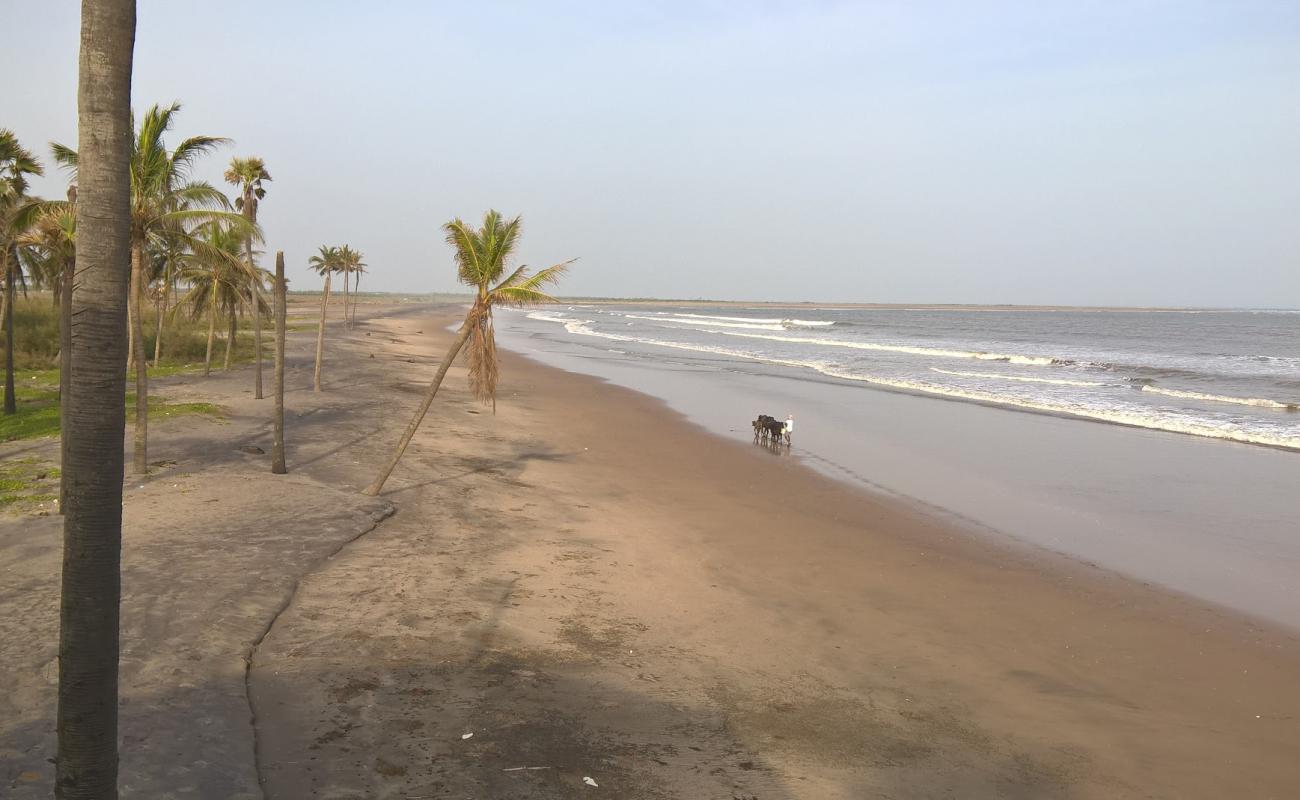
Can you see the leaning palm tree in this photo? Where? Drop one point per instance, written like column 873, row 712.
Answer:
column 248, row 174
column 86, row 762
column 163, row 198
column 326, row 262
column 481, row 259
column 16, row 165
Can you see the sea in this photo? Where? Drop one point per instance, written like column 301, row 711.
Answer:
column 1161, row 445
column 1221, row 374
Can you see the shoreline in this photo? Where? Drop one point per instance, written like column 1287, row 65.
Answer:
column 1058, row 482
column 585, row 583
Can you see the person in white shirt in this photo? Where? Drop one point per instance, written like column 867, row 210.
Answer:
column 789, row 427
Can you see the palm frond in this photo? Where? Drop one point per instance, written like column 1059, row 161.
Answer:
column 65, row 156
column 521, row 289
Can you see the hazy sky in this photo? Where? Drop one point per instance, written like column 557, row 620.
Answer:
column 1027, row 152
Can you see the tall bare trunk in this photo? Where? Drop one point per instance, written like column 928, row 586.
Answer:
column 320, row 332
column 456, row 345
column 140, row 452
column 65, row 373
column 11, row 398
column 212, row 332
column 256, row 292
column 162, row 311
column 130, row 325
column 86, row 763
column 277, row 446
column 356, row 295
column 345, row 299
column 230, row 341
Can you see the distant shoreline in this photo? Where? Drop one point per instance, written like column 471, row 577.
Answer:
column 808, row 304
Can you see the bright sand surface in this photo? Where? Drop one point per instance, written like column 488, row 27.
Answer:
column 594, row 588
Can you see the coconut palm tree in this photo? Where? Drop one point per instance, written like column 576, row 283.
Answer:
column 164, row 198
column 16, row 165
column 360, row 270
column 349, row 262
column 51, row 244
column 248, row 174
column 219, row 279
column 86, row 763
column 326, row 262
column 482, row 257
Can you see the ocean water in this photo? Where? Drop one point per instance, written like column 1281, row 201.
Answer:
column 1222, row 374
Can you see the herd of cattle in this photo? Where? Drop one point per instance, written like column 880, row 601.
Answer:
column 770, row 430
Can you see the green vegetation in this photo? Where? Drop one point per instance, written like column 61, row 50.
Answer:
column 36, row 338
column 38, row 404
column 28, row 484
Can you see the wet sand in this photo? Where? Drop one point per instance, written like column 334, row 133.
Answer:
column 591, row 586
column 1210, row 518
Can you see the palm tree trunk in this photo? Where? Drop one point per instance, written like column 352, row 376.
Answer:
column 230, row 341
column 11, row 399
column 65, row 372
column 345, row 299
column 320, row 332
column 277, row 446
column 456, row 345
column 162, row 311
column 257, row 320
column 140, row 451
column 130, row 325
column 212, row 332
column 356, row 295
column 86, row 762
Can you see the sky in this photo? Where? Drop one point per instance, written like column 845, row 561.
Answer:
column 1084, row 153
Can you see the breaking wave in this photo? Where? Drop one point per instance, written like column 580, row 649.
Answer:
column 1154, row 419
column 912, row 349
column 788, row 323
column 1021, row 378
column 1258, row 402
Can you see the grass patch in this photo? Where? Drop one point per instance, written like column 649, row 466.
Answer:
column 28, row 484
column 185, row 340
column 38, row 411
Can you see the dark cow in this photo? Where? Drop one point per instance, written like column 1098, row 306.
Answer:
column 769, row 430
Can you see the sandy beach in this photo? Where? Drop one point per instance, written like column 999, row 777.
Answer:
column 584, row 588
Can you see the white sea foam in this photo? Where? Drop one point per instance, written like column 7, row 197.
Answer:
column 1021, row 378
column 782, row 321
column 1259, row 402
column 1124, row 415
column 754, row 325
column 904, row 348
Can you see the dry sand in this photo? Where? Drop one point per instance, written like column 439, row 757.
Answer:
column 594, row 588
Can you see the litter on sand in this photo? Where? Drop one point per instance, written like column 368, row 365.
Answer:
column 589, row 781
column 515, row 769
column 466, row 735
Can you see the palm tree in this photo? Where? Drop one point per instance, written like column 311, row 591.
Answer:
column 167, row 246
column 481, row 259
column 349, row 262
column 248, row 174
column 219, row 279
column 86, row 763
column 51, row 244
column 16, row 164
column 326, row 262
column 360, row 269
column 163, row 199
